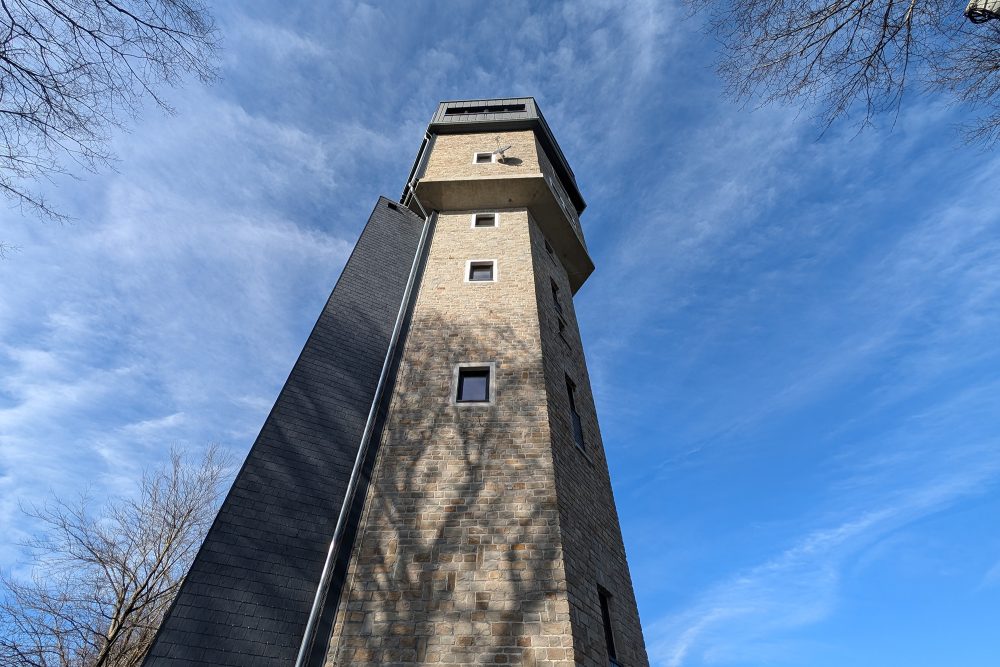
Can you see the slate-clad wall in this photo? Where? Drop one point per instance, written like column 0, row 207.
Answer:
column 591, row 536
column 247, row 596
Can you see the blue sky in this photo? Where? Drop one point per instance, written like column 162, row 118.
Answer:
column 793, row 335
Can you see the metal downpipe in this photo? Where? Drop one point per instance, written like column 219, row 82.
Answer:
column 309, row 637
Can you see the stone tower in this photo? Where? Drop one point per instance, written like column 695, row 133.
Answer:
column 431, row 486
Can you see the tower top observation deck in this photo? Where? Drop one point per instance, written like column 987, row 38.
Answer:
column 506, row 114
column 500, row 153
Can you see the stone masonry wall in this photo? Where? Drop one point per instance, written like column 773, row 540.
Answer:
column 458, row 557
column 452, row 155
column 593, row 552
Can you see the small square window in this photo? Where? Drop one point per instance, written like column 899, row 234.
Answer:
column 483, row 158
column 473, row 385
column 481, row 271
column 484, row 220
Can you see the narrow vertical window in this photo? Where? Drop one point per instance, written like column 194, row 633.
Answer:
column 555, row 297
column 575, row 415
column 609, row 635
column 548, row 247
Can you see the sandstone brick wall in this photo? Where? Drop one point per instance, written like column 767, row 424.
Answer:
column 452, row 155
column 458, row 558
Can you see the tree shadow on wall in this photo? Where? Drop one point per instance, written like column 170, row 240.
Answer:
column 457, row 552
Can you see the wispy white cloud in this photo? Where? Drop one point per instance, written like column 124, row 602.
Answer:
column 709, row 245
column 753, row 272
column 750, row 616
column 169, row 313
column 247, row 34
column 172, row 309
column 992, row 576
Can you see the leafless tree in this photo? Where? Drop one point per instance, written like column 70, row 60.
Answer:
column 100, row 584
column 858, row 56
column 72, row 70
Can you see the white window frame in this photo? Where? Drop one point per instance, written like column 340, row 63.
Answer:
column 496, row 220
column 475, row 157
column 491, row 366
column 468, row 271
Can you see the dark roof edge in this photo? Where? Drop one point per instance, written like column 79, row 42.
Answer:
column 545, row 135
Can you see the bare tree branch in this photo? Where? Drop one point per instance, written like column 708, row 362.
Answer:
column 101, row 583
column 72, row 70
column 857, row 57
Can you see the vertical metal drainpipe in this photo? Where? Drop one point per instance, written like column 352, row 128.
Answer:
column 309, row 637
column 409, row 190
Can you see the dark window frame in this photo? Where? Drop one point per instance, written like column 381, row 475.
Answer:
column 467, row 392
column 555, row 297
column 604, row 599
column 576, row 422
column 492, row 217
column 477, row 264
column 475, row 368
column 485, row 108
